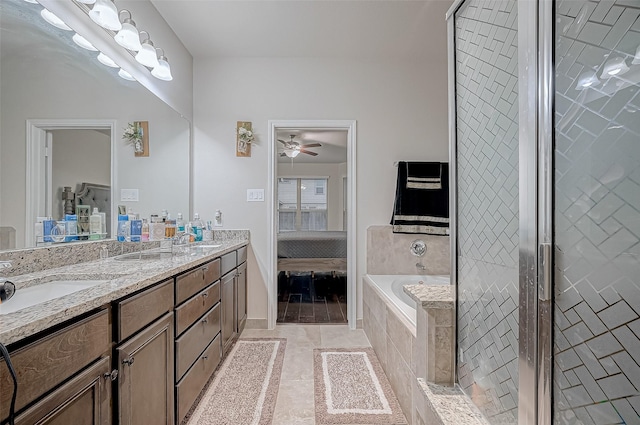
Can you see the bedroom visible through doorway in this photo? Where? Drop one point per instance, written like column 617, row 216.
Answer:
column 311, row 232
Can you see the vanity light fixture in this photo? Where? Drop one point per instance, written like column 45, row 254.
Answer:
column 636, row 58
column 587, row 79
column 83, row 42
column 147, row 54
column 163, row 70
column 54, row 20
column 124, row 74
column 105, row 14
column 128, row 37
column 615, row 66
column 106, row 60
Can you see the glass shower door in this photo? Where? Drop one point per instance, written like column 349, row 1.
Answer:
column 596, row 214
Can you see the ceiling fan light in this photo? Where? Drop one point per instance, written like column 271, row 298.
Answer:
column 54, row 20
column 83, row 42
column 124, row 74
column 147, row 55
column 291, row 152
column 105, row 14
column 163, row 70
column 106, row 60
column 128, row 37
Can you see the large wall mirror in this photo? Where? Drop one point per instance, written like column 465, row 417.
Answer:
column 77, row 103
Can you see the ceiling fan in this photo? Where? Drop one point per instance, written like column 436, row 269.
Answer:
column 292, row 148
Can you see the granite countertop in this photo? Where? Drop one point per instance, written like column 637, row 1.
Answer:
column 121, row 278
column 451, row 405
column 432, row 296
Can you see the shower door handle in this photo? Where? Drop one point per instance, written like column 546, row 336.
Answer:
column 545, row 275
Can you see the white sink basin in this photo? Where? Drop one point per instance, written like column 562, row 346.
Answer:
column 27, row 297
column 203, row 249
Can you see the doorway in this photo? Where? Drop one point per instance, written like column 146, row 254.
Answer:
column 41, row 199
column 312, row 249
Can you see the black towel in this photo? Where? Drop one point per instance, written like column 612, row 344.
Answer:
column 422, row 198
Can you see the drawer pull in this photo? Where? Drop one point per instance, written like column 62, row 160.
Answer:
column 113, row 375
column 128, row 361
column 205, row 357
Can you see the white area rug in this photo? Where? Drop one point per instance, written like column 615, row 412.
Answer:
column 351, row 388
column 245, row 389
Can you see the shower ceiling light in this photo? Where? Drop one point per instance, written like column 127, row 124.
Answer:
column 587, row 79
column 615, row 66
column 82, row 42
column 636, row 59
column 128, row 37
column 163, row 70
column 54, row 20
column 147, row 54
column 124, row 74
column 106, row 60
column 105, row 14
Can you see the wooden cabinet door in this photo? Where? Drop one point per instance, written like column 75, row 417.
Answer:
column 145, row 380
column 241, row 279
column 228, row 309
column 84, row 400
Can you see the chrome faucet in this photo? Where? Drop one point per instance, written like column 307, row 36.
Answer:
column 418, row 248
column 421, row 266
column 7, row 288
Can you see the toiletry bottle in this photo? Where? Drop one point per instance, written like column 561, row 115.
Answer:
column 71, row 229
column 103, row 221
column 189, row 229
column 179, row 223
column 169, row 228
column 95, row 225
column 156, row 229
column 164, row 214
column 197, row 227
column 145, row 230
column 124, row 231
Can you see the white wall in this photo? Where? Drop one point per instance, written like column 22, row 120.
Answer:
column 401, row 113
column 335, row 172
column 78, row 156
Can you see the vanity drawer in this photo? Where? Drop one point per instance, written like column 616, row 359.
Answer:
column 135, row 312
column 193, row 281
column 191, row 310
column 47, row 362
column 242, row 255
column 195, row 379
column 227, row 263
column 195, row 339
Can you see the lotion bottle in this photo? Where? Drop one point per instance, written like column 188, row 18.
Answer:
column 95, row 225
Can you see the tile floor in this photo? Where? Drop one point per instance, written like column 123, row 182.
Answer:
column 295, row 396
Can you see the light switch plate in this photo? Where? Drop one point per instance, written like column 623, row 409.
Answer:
column 255, row 195
column 129, row 194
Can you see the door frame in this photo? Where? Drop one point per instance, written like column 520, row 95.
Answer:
column 272, row 265
column 34, row 170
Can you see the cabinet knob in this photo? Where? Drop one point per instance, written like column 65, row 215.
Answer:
column 128, row 361
column 205, row 357
column 205, row 295
column 204, row 320
column 113, row 375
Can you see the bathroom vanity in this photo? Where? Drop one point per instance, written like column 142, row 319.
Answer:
column 138, row 348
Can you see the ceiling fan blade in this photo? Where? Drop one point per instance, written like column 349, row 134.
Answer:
column 308, row 152
column 282, row 141
column 311, row 145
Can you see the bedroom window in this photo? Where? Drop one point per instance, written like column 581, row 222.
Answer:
column 302, row 204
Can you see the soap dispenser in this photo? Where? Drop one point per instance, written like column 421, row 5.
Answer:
column 95, row 225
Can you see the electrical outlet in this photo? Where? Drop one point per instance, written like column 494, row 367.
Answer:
column 129, row 195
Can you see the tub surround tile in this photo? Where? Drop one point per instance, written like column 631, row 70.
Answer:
column 448, row 406
column 388, row 252
column 401, row 378
column 400, row 336
column 133, row 276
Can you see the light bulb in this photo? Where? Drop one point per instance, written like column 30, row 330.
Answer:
column 615, row 66
column 124, row 74
column 106, row 60
column 54, row 20
column 147, row 55
column 128, row 37
column 105, row 14
column 82, row 42
column 163, row 70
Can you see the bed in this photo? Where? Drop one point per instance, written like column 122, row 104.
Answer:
column 312, row 251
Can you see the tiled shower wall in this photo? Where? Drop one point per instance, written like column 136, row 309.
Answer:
column 487, row 166
column 597, row 215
